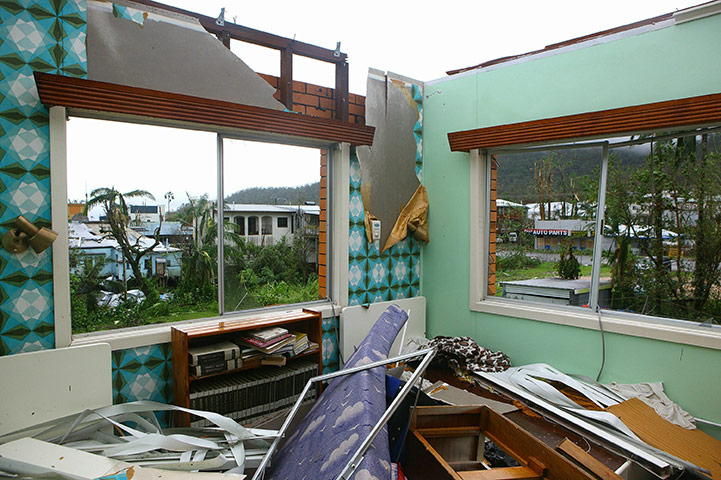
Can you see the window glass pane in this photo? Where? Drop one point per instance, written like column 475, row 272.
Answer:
column 542, row 225
column 153, row 261
column 663, row 227
column 265, row 264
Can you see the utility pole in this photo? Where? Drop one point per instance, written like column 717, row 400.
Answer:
column 169, row 197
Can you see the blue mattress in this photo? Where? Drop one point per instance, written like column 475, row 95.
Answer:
column 343, row 417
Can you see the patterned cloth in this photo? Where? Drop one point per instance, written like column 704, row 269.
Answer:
column 463, row 353
column 343, row 416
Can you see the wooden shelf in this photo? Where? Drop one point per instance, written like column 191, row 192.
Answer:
column 183, row 337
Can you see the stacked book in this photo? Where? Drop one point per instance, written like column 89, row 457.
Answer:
column 274, row 341
column 214, row 358
column 267, row 340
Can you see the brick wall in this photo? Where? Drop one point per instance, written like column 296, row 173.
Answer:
column 318, row 101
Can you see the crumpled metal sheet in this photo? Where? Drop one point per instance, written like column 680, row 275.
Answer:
column 137, row 438
column 168, row 52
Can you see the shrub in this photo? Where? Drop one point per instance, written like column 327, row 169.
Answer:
column 516, row 261
column 568, row 266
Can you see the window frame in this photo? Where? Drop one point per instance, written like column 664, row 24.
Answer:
column 657, row 328
column 338, row 196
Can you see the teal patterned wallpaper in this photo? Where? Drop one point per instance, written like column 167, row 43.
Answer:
column 44, row 36
column 374, row 276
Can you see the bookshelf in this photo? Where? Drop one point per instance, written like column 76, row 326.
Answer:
column 185, row 336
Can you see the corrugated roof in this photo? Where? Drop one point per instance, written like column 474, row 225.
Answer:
column 95, row 235
column 506, row 203
column 166, row 228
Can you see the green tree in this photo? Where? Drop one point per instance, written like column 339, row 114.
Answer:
column 199, row 263
column 86, row 278
column 677, row 190
column 706, row 192
column 117, row 213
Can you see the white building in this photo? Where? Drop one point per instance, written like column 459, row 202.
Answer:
column 551, row 234
column 268, row 224
column 146, row 214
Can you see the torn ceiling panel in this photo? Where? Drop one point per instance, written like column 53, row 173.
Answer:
column 135, row 45
column 388, row 167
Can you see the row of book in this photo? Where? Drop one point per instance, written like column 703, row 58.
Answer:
column 253, row 393
column 273, row 345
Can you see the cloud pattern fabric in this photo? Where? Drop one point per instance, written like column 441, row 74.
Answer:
column 343, row 416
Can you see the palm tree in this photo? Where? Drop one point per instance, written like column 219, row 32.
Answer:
column 116, row 210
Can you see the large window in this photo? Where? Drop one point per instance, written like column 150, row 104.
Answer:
column 545, row 206
column 272, row 266
column 144, row 241
column 652, row 250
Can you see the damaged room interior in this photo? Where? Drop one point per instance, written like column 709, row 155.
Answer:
column 214, row 268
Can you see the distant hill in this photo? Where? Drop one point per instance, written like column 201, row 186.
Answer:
column 515, row 172
column 277, row 195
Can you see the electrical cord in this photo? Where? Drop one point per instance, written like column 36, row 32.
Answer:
column 603, row 343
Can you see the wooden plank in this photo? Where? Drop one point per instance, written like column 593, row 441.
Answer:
column 285, row 82
column 341, row 91
column 507, row 473
column 424, row 462
column 690, row 111
column 236, row 325
column 449, row 431
column 446, row 416
column 522, row 445
column 467, row 465
column 585, row 459
column 131, row 103
column 446, row 410
column 181, row 382
column 693, row 446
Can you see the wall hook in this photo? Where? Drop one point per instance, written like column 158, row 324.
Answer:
column 25, row 234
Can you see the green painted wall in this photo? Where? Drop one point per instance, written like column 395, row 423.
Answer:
column 675, row 62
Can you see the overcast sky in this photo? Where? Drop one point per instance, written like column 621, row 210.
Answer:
column 421, row 40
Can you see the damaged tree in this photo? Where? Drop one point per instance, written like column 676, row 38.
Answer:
column 118, row 217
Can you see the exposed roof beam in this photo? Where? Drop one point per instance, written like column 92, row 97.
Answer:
column 250, row 35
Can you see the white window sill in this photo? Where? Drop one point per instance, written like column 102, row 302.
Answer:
column 135, row 337
column 668, row 330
